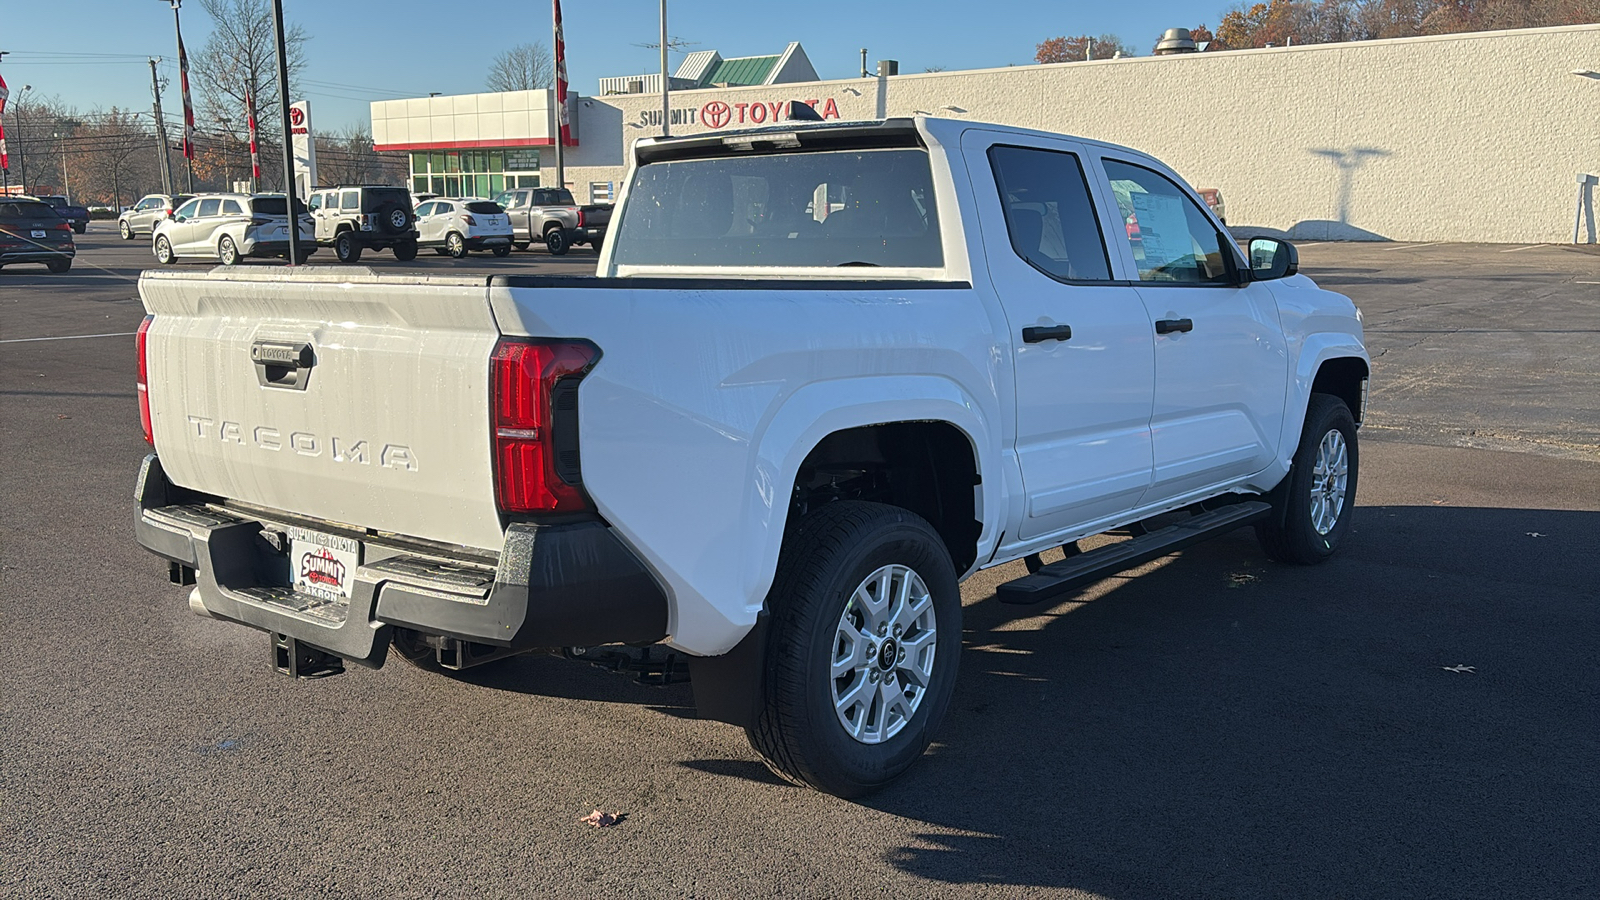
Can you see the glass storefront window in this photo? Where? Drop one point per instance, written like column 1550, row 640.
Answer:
column 452, row 186
column 481, row 182
column 452, row 162
column 436, row 162
column 497, row 183
column 480, row 173
column 419, row 163
column 497, row 161
column 419, row 184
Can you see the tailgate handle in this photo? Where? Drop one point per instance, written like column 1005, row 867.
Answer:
column 283, row 364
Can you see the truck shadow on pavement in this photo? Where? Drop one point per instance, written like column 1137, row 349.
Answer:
column 1228, row 726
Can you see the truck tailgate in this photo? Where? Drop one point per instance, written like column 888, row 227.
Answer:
column 387, row 429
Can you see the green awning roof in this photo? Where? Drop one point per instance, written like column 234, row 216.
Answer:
column 745, row 70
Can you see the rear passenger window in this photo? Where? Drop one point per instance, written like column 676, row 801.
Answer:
column 209, row 207
column 232, row 208
column 350, row 200
column 1049, row 216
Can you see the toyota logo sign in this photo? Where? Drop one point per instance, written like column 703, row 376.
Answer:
column 716, row 114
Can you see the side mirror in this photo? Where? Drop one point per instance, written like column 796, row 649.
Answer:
column 180, row 218
column 1271, row 258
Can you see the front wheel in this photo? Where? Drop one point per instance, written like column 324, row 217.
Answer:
column 164, row 254
column 555, row 240
column 864, row 637
column 1311, row 509
column 125, row 231
column 345, row 248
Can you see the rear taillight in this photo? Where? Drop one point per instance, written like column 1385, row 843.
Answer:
column 469, row 220
column 62, row 226
column 144, row 379
column 533, row 392
column 258, row 221
column 580, row 218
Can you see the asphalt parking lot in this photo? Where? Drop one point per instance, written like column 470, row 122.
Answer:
column 1415, row 718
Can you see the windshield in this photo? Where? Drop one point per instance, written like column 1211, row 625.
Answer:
column 837, row 208
column 274, row 206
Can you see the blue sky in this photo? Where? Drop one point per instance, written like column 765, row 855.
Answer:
column 443, row 46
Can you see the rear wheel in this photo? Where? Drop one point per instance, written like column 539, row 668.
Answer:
column 863, row 643
column 58, row 266
column 455, row 245
column 502, row 250
column 345, row 247
column 520, row 245
column 405, row 252
column 555, row 240
column 164, row 254
column 1312, row 508
column 227, row 252
column 81, row 229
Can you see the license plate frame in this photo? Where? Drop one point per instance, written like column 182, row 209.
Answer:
column 39, row 233
column 323, row 565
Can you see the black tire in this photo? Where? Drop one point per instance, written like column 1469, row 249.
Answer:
column 555, row 240
column 227, row 252
column 455, row 245
column 393, row 218
column 405, row 252
column 1291, row 535
column 58, row 266
column 163, row 251
column 345, row 247
column 596, row 244
column 125, row 231
column 825, row 557
column 502, row 250
column 301, row 257
column 81, row 229
column 520, row 245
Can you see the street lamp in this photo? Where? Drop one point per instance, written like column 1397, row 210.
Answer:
column 61, row 150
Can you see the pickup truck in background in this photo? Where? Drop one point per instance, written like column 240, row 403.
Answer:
column 550, row 216
column 825, row 373
column 76, row 216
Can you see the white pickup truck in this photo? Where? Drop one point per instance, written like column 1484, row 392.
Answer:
column 826, row 372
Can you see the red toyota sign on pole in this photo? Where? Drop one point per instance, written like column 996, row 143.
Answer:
column 255, row 158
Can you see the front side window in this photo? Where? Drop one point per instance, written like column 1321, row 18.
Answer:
column 187, row 210
column 1172, row 240
column 316, row 202
column 425, row 209
column 820, row 209
column 1049, row 216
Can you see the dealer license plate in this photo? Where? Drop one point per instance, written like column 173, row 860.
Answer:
column 323, row 565
column 38, row 233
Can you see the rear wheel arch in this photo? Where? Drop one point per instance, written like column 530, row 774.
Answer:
column 929, row 468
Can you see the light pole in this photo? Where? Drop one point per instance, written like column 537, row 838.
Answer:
column 666, row 105
column 22, row 157
column 61, row 151
column 183, row 77
column 288, row 136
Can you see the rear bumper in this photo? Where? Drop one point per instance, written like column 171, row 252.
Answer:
column 250, row 247
column 36, row 254
column 481, row 241
column 553, row 586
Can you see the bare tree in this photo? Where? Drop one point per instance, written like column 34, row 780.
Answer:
column 525, row 67
column 347, row 157
column 239, row 59
column 117, row 157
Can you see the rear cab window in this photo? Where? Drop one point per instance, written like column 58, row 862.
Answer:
column 818, row 209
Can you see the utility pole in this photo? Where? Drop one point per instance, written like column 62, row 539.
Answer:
column 61, row 151
column 5, row 172
column 288, row 136
column 161, row 131
column 666, row 105
column 188, row 113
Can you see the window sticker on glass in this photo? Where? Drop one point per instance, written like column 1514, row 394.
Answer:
column 1163, row 232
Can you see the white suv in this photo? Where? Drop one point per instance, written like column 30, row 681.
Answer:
column 229, row 227
column 457, row 225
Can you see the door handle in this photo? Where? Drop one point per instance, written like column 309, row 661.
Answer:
column 1036, row 334
column 1168, row 326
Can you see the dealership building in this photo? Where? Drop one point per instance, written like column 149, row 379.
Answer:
column 1487, row 136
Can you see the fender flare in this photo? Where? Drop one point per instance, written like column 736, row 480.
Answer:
column 1316, row 350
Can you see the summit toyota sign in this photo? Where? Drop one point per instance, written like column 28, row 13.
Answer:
column 721, row 114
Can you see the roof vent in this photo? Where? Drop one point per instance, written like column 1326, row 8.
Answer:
column 1175, row 40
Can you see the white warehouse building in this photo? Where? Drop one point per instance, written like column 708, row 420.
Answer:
column 1488, row 136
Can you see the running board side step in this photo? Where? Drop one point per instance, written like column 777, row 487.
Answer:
column 1093, row 565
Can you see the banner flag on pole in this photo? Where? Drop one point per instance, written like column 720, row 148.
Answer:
column 250, row 114
column 5, row 158
column 561, row 80
column 188, row 105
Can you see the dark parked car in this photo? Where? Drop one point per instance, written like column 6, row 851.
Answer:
column 76, row 216
column 32, row 232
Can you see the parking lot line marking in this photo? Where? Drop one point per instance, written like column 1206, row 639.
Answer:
column 1586, row 282
column 1516, row 249
column 68, row 337
column 1412, row 246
